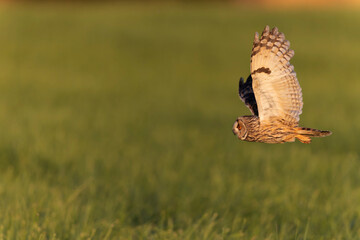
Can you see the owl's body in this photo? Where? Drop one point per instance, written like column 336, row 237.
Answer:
column 273, row 95
column 276, row 131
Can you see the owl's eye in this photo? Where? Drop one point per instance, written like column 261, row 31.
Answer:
column 239, row 127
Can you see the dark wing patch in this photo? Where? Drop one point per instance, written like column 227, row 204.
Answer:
column 246, row 94
column 262, row 70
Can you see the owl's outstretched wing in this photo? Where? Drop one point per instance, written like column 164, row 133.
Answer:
column 246, row 94
column 277, row 91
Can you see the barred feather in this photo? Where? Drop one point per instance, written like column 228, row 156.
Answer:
column 312, row 132
column 277, row 91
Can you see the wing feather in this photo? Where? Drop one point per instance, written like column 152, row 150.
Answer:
column 246, row 94
column 276, row 88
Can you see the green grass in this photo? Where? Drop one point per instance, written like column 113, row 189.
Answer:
column 116, row 124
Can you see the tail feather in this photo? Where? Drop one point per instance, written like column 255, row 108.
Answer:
column 312, row 132
column 304, row 134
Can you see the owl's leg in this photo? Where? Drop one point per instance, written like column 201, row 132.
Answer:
column 303, row 139
column 289, row 138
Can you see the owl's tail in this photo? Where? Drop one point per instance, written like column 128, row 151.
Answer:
column 304, row 134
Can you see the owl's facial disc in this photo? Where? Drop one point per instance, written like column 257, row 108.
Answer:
column 239, row 129
column 235, row 128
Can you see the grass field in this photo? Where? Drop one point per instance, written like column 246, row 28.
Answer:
column 116, row 124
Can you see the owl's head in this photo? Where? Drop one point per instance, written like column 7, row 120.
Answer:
column 239, row 128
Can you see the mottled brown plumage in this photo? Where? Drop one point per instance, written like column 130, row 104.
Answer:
column 273, row 94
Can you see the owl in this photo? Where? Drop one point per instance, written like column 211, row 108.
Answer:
column 273, row 95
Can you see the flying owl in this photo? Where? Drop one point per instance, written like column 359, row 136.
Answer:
column 273, row 94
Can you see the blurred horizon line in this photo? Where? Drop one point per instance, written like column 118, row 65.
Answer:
column 267, row 4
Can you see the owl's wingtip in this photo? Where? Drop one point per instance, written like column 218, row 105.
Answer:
column 275, row 31
column 267, row 28
column 256, row 37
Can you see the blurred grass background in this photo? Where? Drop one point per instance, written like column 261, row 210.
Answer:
column 116, row 124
